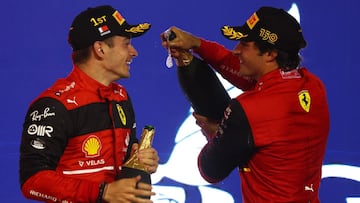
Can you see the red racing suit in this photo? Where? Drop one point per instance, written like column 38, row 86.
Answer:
column 75, row 136
column 287, row 115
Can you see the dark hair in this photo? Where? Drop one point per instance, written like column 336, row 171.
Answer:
column 287, row 61
column 82, row 55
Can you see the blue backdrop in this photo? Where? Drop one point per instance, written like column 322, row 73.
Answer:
column 34, row 53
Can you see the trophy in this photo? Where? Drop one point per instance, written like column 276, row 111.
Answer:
column 132, row 167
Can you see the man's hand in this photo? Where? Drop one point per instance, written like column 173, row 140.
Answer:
column 208, row 127
column 127, row 190
column 183, row 41
column 149, row 157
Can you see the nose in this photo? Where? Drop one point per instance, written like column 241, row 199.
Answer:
column 132, row 51
column 237, row 50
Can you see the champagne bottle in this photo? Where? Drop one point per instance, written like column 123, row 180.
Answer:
column 203, row 89
column 133, row 167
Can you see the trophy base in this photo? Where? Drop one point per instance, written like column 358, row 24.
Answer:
column 132, row 172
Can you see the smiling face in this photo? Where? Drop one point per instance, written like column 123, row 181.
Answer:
column 118, row 57
column 253, row 63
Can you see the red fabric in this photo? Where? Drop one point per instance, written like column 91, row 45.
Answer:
column 80, row 170
column 41, row 187
column 290, row 142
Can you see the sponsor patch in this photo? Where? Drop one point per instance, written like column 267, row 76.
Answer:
column 37, row 144
column 104, row 30
column 251, row 22
column 37, row 116
column 40, row 130
column 304, row 100
column 268, row 36
column 92, row 146
column 118, row 17
column 121, row 114
column 67, row 88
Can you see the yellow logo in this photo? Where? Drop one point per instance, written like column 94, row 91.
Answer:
column 266, row 35
column 121, row 114
column 91, row 146
column 140, row 28
column 98, row 21
column 118, row 17
column 305, row 100
column 231, row 33
column 251, row 22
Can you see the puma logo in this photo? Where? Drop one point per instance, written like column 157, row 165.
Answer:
column 307, row 188
column 72, row 101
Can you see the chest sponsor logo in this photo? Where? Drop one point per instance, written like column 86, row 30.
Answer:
column 92, row 162
column 40, row 130
column 304, row 100
column 37, row 116
column 92, row 146
column 121, row 114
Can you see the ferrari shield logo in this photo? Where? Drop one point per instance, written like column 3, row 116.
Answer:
column 305, row 100
column 121, row 114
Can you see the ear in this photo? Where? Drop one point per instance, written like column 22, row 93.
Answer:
column 97, row 48
column 271, row 55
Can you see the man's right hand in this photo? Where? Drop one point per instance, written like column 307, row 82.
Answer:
column 183, row 40
column 127, row 190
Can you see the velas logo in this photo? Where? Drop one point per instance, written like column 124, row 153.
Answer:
column 92, row 146
column 251, row 22
column 103, row 30
column 118, row 17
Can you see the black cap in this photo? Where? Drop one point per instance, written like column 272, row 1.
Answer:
column 100, row 23
column 269, row 25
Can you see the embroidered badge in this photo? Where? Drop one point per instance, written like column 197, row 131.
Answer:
column 118, row 17
column 121, row 114
column 251, row 22
column 304, row 100
column 139, row 29
column 91, row 146
column 230, row 33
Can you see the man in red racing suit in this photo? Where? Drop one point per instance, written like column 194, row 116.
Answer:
column 276, row 131
column 78, row 133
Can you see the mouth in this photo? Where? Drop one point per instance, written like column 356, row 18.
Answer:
column 128, row 62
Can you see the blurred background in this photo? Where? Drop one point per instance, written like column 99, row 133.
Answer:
column 34, row 53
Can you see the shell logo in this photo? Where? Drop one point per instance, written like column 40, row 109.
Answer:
column 91, row 146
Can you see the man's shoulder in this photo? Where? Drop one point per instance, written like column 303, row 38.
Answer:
column 61, row 88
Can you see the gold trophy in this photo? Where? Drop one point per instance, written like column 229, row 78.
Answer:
column 132, row 167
